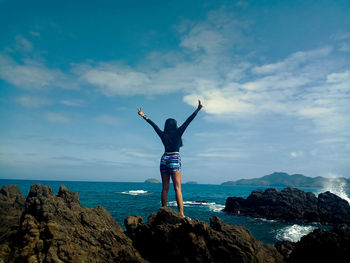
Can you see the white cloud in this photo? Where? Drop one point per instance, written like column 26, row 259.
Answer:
column 118, row 81
column 34, row 33
column 219, row 32
column 23, row 44
column 309, row 85
column 223, row 153
column 216, row 101
column 303, row 85
column 31, row 101
column 345, row 47
column 33, row 75
column 315, row 112
column 341, row 36
column 107, row 119
column 56, row 117
column 29, row 75
column 242, row 3
column 72, row 103
column 114, row 79
column 339, row 77
column 203, row 38
column 294, row 61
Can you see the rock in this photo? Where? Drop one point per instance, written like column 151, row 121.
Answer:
column 332, row 208
column 58, row 229
column 285, row 248
column 167, row 237
column 11, row 208
column 291, row 204
column 319, row 246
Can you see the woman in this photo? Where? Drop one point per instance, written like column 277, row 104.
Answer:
column 170, row 163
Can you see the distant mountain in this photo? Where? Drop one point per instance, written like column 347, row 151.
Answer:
column 286, row 180
column 191, row 182
column 152, row 180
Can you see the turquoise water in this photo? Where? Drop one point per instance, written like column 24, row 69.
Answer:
column 125, row 199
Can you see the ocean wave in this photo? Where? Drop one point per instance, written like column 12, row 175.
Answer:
column 293, row 233
column 212, row 206
column 135, row 192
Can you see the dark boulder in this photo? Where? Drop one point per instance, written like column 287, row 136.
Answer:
column 332, row 208
column 319, row 246
column 167, row 237
column 291, row 204
column 285, row 247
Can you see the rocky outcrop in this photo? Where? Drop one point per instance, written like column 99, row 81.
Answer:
column 291, row 204
column 55, row 228
column 11, row 208
column 46, row 227
column 318, row 246
column 167, row 237
column 58, row 229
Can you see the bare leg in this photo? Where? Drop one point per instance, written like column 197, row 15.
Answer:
column 165, row 189
column 176, row 177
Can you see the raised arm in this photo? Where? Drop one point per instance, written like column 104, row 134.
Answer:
column 183, row 127
column 155, row 127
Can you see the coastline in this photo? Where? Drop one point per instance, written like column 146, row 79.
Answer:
column 45, row 226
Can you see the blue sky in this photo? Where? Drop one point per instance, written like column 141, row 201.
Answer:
column 274, row 78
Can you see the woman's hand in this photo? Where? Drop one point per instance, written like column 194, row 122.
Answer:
column 139, row 111
column 199, row 105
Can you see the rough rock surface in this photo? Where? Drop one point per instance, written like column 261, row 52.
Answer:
column 318, row 246
column 167, row 237
column 11, row 208
column 58, row 229
column 291, row 204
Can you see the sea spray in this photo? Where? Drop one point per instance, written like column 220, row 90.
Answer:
column 336, row 186
column 293, row 233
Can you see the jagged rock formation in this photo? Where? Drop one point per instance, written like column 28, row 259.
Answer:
column 318, row 246
column 58, row 229
column 49, row 228
column 291, row 204
column 11, row 208
column 167, row 237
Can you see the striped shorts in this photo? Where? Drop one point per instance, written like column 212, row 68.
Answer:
column 170, row 162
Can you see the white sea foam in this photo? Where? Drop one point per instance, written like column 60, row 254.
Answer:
column 265, row 220
column 216, row 207
column 337, row 187
column 212, row 206
column 135, row 192
column 293, row 233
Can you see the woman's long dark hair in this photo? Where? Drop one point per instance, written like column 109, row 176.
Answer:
column 170, row 127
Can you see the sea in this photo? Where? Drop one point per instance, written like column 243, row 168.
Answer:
column 201, row 201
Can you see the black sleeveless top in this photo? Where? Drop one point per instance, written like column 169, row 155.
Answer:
column 172, row 140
